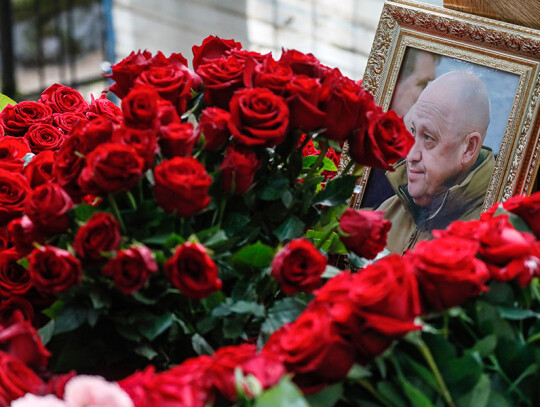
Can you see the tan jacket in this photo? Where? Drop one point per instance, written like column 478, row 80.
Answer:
column 461, row 202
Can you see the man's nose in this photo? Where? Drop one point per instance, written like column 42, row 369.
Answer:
column 415, row 154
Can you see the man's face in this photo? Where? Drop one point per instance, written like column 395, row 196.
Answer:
column 434, row 162
column 408, row 89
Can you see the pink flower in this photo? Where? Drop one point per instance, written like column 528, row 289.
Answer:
column 95, row 391
column 29, row 400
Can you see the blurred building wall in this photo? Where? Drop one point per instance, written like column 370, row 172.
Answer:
column 338, row 32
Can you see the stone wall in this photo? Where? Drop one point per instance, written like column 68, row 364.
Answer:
column 338, row 32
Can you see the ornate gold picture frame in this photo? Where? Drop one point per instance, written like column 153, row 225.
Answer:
column 507, row 55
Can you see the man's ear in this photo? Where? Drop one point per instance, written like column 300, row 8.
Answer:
column 472, row 144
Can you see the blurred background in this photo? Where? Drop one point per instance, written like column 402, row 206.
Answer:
column 73, row 42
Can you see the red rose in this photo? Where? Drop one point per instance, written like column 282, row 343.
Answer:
column 298, row 267
column 448, row 272
column 40, row 169
column 93, row 133
column 16, row 379
column 268, row 74
column 44, row 137
column 214, row 127
column 54, row 270
column 14, row 190
column 471, row 229
column 385, row 301
column 127, row 70
column 211, row 48
column 382, row 141
column 23, row 234
column 21, row 340
column 192, row 271
column 65, row 121
column 312, row 349
column 143, row 141
column 103, row 107
column 238, row 169
column 172, row 82
column 68, row 164
column 12, row 153
column 303, row 94
column 48, row 206
column 177, row 140
column 15, row 309
column 521, row 269
column 140, row 107
column 63, row 99
column 131, row 268
column 57, row 384
column 221, row 78
column 502, row 243
column 111, row 167
column 258, row 117
column 302, row 64
column 4, row 238
column 343, row 101
column 17, row 119
column 100, row 234
column 266, row 368
column 366, row 232
column 182, row 186
column 528, row 209
column 14, row 278
column 335, row 293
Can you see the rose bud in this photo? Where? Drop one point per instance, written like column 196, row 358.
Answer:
column 14, row 278
column 211, row 48
column 23, row 233
column 54, row 270
column 192, row 271
column 182, row 186
column 21, row 339
column 100, row 234
column 177, row 140
column 298, row 267
column 48, row 206
column 214, row 127
column 365, row 231
column 131, row 268
column 238, row 169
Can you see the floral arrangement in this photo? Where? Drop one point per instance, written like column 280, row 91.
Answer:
column 184, row 249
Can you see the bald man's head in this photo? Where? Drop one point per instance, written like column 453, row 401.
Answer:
column 449, row 122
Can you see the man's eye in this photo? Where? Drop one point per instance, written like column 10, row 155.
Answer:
column 413, row 131
column 427, row 137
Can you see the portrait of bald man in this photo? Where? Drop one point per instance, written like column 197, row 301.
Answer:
column 447, row 171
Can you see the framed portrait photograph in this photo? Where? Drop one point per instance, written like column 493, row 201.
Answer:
column 467, row 88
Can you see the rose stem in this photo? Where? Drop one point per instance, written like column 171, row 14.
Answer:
column 436, row 372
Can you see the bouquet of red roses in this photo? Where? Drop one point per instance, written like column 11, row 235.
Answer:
column 179, row 243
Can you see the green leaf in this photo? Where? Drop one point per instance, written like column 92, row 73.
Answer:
column 519, row 224
column 200, row 345
column 391, row 393
column 485, row 346
column 84, row 211
column 5, row 100
column 46, row 332
column 292, row 228
column 517, row 314
column 233, row 327
column 284, row 394
column 146, row 351
column 70, row 319
column 478, row 396
column 496, row 399
column 358, row 372
column 257, row 255
column 151, row 325
column 337, row 191
column 235, row 222
column 282, row 312
column 330, row 271
column 326, row 397
column 247, row 307
column 328, row 164
column 24, row 262
column 100, row 298
column 274, row 188
column 423, row 372
column 415, row 396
